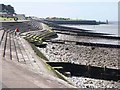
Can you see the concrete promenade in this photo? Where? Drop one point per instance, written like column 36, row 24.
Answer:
column 20, row 66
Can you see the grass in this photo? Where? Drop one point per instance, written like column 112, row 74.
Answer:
column 6, row 19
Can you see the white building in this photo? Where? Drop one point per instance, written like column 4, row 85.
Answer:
column 20, row 16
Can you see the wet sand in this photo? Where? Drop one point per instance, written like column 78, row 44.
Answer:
column 87, row 39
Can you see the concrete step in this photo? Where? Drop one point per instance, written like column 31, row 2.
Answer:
column 30, row 59
column 19, row 53
column 2, row 44
column 24, row 53
column 1, row 35
column 6, row 45
column 40, row 66
column 23, row 74
column 7, row 48
column 14, row 49
column 16, row 54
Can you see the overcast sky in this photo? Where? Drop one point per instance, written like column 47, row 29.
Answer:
column 107, row 9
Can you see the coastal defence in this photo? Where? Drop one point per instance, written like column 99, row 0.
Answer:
column 80, row 32
column 84, row 43
column 77, row 22
column 20, row 61
column 24, row 55
column 87, row 71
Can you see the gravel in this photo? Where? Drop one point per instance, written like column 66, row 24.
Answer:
column 82, row 82
column 84, row 55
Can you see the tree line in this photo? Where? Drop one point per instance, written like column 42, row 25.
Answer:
column 7, row 8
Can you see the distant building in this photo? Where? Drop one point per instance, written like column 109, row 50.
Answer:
column 3, row 13
column 20, row 16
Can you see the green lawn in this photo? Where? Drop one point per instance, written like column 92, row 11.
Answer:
column 6, row 19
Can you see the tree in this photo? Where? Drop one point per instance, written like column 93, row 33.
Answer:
column 7, row 8
column 15, row 18
column 10, row 9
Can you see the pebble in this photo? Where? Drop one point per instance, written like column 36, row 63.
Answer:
column 85, row 55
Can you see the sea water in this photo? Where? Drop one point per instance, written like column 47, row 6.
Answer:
column 111, row 28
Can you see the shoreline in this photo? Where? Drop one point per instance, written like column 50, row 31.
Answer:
column 80, row 54
column 84, row 55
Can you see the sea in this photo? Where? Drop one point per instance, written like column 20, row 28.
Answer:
column 111, row 29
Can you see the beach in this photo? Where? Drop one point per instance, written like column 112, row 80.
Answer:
column 85, row 55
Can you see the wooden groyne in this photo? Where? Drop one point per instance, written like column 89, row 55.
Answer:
column 84, row 43
column 98, row 45
column 87, row 71
column 95, row 35
column 79, row 32
column 89, row 34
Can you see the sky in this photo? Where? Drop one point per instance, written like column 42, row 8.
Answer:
column 79, row 9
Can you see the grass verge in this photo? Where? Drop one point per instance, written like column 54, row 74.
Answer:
column 6, row 19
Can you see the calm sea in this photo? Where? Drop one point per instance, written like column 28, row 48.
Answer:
column 111, row 28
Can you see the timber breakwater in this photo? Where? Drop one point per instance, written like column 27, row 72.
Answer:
column 83, row 47
column 60, row 48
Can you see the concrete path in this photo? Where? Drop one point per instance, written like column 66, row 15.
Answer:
column 15, row 21
column 20, row 67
